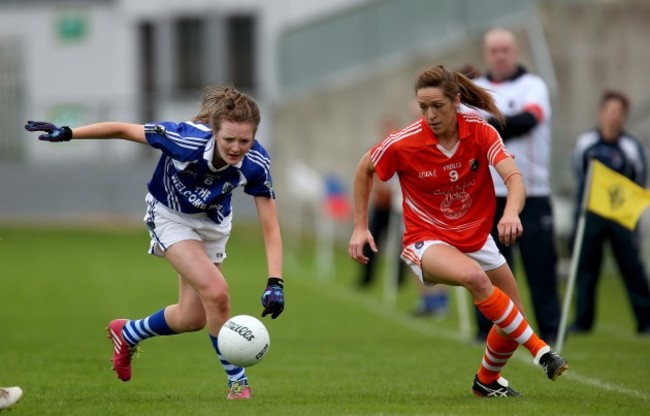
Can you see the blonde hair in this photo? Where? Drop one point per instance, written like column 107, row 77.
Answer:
column 452, row 83
column 226, row 103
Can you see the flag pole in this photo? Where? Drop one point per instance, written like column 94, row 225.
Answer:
column 566, row 306
column 575, row 258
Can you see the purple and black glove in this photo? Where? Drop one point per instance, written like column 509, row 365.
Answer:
column 273, row 297
column 53, row 133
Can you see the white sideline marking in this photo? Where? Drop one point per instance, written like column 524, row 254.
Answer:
column 337, row 292
column 605, row 386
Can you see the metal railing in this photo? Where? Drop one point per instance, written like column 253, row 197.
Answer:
column 316, row 51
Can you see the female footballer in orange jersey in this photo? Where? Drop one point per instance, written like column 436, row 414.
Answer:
column 442, row 161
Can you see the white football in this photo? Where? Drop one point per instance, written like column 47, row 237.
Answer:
column 243, row 340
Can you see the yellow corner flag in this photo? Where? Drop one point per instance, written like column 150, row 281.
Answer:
column 616, row 197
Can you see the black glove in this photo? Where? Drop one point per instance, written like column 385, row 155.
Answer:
column 273, row 297
column 54, row 133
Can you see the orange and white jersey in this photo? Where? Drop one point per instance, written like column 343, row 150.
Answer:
column 447, row 194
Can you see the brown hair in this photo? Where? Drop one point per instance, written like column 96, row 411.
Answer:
column 616, row 95
column 452, row 83
column 226, row 103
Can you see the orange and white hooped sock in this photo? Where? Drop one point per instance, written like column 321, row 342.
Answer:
column 498, row 350
column 501, row 310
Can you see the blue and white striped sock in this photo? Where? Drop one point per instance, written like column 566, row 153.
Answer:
column 140, row 329
column 233, row 372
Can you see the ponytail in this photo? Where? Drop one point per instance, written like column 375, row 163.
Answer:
column 452, row 83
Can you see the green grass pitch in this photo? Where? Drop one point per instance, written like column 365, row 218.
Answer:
column 334, row 351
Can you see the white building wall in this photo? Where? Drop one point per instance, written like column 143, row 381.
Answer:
column 76, row 81
column 96, row 79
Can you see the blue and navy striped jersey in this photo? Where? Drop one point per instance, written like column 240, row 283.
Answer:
column 185, row 179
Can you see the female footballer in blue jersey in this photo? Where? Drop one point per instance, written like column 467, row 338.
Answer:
column 189, row 216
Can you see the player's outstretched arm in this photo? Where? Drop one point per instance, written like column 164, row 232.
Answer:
column 105, row 130
column 273, row 295
column 268, row 216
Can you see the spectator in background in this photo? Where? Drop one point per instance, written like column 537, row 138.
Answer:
column 610, row 144
column 9, row 396
column 523, row 99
